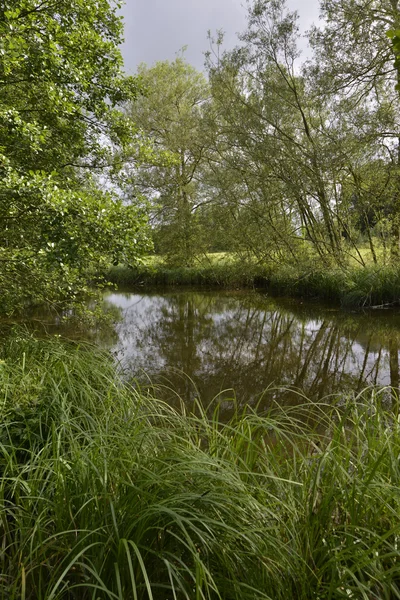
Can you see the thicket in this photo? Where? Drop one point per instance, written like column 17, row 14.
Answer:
column 61, row 86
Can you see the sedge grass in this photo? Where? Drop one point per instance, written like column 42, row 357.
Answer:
column 109, row 494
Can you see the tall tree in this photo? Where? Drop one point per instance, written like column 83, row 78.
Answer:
column 353, row 61
column 304, row 144
column 279, row 130
column 171, row 113
column 352, row 48
column 61, row 82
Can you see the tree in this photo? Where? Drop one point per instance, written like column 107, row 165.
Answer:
column 303, row 145
column 248, row 192
column 394, row 35
column 171, row 113
column 352, row 50
column 61, row 82
column 353, row 61
column 274, row 126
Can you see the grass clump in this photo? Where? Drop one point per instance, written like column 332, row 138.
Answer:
column 107, row 494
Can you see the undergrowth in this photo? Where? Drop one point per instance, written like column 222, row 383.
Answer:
column 109, row 494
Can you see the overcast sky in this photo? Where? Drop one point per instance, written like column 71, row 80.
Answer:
column 158, row 29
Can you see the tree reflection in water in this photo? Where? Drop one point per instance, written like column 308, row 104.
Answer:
column 248, row 342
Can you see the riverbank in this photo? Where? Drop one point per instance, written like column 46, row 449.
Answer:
column 110, row 492
column 357, row 287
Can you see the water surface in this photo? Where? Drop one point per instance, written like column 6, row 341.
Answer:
column 237, row 345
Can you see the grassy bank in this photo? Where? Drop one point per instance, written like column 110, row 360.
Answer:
column 354, row 287
column 107, row 494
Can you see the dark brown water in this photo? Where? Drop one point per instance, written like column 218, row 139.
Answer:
column 240, row 344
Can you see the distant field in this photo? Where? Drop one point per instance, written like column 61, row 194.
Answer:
column 221, row 258
column 212, row 258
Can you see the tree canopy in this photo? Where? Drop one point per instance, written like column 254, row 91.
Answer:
column 172, row 115
column 270, row 157
column 282, row 160
column 61, row 83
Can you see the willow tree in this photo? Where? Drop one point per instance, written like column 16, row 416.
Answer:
column 274, row 123
column 309, row 140
column 246, row 192
column 353, row 63
column 171, row 114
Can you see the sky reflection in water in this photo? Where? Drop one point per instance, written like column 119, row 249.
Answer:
column 202, row 344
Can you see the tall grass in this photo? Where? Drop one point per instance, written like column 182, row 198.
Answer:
column 352, row 287
column 108, row 494
column 224, row 275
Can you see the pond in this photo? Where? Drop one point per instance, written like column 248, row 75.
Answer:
column 242, row 347
column 248, row 346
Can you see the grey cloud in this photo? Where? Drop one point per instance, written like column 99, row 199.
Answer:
column 158, row 29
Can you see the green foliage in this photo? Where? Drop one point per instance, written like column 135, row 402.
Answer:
column 231, row 274
column 270, row 153
column 307, row 151
column 394, row 36
column 60, row 84
column 172, row 114
column 105, row 491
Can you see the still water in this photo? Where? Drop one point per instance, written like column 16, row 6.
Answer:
column 237, row 345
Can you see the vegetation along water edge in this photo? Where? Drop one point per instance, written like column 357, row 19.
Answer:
column 371, row 286
column 108, row 493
